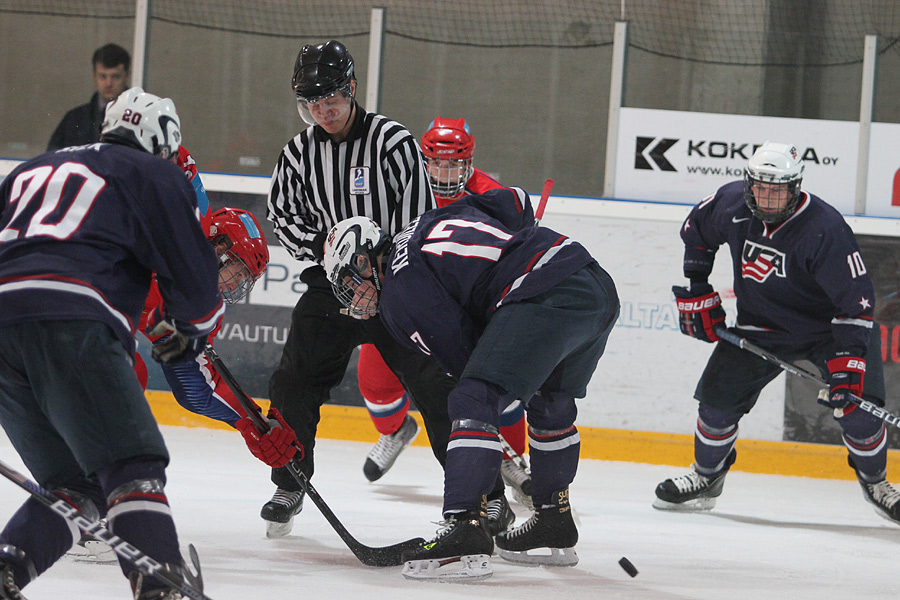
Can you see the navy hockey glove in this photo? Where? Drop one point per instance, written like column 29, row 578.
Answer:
column 847, row 377
column 700, row 310
column 176, row 347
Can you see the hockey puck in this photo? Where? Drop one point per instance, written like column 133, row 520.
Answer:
column 628, row 567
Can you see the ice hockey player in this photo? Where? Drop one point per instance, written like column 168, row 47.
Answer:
column 802, row 293
column 82, row 230
column 448, row 147
column 512, row 311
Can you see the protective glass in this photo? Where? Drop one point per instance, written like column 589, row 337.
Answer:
column 335, row 105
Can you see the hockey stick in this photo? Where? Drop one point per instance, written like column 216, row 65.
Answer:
column 146, row 565
column 386, row 556
column 512, row 454
column 545, row 195
column 744, row 344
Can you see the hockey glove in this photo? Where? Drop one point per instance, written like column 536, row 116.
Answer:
column 700, row 310
column 171, row 346
column 847, row 376
column 277, row 446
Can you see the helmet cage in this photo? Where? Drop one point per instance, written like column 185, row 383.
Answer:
column 754, row 195
column 772, row 182
column 351, row 255
column 448, row 176
column 235, row 279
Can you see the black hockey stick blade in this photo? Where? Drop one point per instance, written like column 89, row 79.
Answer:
column 143, row 563
column 385, row 556
column 744, row 344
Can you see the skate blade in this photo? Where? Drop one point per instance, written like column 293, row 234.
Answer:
column 548, row 557
column 93, row 551
column 277, row 530
column 696, row 505
column 460, row 569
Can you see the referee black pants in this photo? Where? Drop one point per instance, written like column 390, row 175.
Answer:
column 315, row 356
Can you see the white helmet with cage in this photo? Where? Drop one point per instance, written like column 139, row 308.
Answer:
column 772, row 181
column 352, row 249
column 143, row 121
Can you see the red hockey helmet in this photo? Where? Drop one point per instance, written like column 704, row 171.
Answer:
column 448, row 147
column 242, row 251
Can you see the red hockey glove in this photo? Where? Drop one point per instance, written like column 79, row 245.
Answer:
column 277, row 446
column 700, row 310
column 847, row 376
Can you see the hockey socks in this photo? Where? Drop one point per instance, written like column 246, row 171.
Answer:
column 138, row 510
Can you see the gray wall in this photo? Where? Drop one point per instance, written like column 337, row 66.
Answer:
column 536, row 111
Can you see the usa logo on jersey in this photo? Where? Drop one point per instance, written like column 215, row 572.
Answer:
column 758, row 262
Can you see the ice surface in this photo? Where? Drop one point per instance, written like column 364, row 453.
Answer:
column 769, row 536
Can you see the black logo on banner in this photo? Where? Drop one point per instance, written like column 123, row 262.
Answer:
column 656, row 153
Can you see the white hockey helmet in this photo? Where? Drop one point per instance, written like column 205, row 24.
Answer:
column 352, row 249
column 143, row 121
column 777, row 165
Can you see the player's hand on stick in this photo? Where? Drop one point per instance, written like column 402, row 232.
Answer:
column 847, row 375
column 700, row 310
column 277, row 446
column 172, row 347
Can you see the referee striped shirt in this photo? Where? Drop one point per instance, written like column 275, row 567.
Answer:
column 377, row 172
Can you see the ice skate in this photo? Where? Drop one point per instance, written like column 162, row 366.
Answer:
column 381, row 458
column 689, row 493
column 500, row 515
column 548, row 537
column 884, row 497
column 518, row 480
column 278, row 513
column 461, row 550
column 90, row 550
column 137, row 580
column 8, row 588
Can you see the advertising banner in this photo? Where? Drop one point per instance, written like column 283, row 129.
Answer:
column 675, row 156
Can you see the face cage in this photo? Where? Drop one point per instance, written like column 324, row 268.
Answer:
column 241, row 281
column 303, row 103
column 345, row 287
column 449, row 181
column 765, row 216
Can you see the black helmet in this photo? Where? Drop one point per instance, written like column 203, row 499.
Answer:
column 322, row 69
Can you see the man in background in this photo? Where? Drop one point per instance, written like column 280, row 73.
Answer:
column 81, row 125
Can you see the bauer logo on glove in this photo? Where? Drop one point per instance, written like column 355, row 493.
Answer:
column 699, row 310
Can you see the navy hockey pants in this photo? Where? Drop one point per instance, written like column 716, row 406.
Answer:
column 546, row 350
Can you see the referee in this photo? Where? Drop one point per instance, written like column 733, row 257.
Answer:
column 348, row 163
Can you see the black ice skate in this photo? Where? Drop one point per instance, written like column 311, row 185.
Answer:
column 692, row 492
column 547, row 538
column 518, row 480
column 460, row 550
column 278, row 513
column 500, row 515
column 884, row 497
column 8, row 588
column 382, row 456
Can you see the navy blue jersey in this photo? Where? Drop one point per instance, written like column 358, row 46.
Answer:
column 83, row 228
column 453, row 267
column 800, row 281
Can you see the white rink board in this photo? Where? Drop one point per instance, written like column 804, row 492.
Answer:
column 646, row 379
